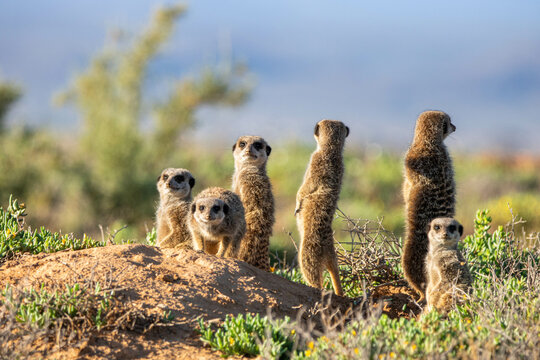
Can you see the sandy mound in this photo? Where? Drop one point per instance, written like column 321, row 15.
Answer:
column 189, row 284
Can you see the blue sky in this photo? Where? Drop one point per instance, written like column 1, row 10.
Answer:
column 373, row 65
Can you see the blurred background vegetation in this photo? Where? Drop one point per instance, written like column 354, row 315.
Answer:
column 105, row 175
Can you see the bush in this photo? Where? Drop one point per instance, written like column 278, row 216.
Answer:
column 15, row 238
column 245, row 335
column 500, row 320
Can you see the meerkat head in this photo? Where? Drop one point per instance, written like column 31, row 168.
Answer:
column 251, row 150
column 175, row 182
column 330, row 132
column 433, row 125
column 209, row 211
column 445, row 231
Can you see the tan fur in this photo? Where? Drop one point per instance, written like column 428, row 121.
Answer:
column 217, row 222
column 252, row 184
column 174, row 186
column 316, row 204
column 428, row 190
column 449, row 279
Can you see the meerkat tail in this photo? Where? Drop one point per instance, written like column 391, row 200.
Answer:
column 333, row 269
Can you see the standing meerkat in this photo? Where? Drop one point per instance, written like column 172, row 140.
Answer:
column 174, row 186
column 217, row 222
column 428, row 190
column 449, row 279
column 316, row 203
column 252, row 184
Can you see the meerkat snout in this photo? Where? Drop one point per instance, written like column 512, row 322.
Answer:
column 445, row 230
column 250, row 149
column 176, row 182
column 210, row 210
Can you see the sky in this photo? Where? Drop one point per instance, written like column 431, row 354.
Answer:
column 373, row 65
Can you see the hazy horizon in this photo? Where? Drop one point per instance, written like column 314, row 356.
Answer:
column 373, row 66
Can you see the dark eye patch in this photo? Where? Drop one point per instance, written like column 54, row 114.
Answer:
column 452, row 228
column 216, row 208
column 179, row 178
column 258, row 145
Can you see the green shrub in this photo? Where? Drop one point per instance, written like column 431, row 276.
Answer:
column 245, row 335
column 500, row 320
column 42, row 308
column 16, row 238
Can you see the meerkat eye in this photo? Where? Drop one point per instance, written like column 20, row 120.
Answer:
column 242, row 144
column 436, row 228
column 216, row 208
column 452, row 228
column 258, row 145
column 165, row 177
column 202, row 207
column 179, row 178
column 445, row 127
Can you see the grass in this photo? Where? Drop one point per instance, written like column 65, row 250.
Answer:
column 499, row 320
column 15, row 238
column 249, row 335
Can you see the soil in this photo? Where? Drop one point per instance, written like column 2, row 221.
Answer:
column 189, row 285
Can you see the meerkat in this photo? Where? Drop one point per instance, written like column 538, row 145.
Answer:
column 216, row 222
column 174, row 186
column 428, row 191
column 448, row 276
column 316, row 203
column 252, row 184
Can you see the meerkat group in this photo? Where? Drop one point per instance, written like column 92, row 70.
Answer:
column 238, row 223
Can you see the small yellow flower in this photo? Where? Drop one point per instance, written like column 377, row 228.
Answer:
column 324, row 338
column 231, row 341
column 413, row 347
column 381, row 356
column 63, row 241
column 272, row 269
column 405, row 343
column 462, row 263
column 461, row 347
column 310, row 345
column 479, row 327
column 8, row 232
column 356, row 351
column 392, row 354
column 308, row 352
column 469, row 321
column 353, row 333
column 293, row 332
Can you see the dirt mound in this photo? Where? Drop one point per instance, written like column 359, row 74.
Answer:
column 186, row 283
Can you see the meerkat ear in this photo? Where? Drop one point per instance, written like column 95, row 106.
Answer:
column 225, row 209
column 460, row 228
column 234, row 147
column 191, row 182
column 159, row 177
column 346, row 127
column 193, row 208
column 316, row 132
column 428, row 227
column 268, row 150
